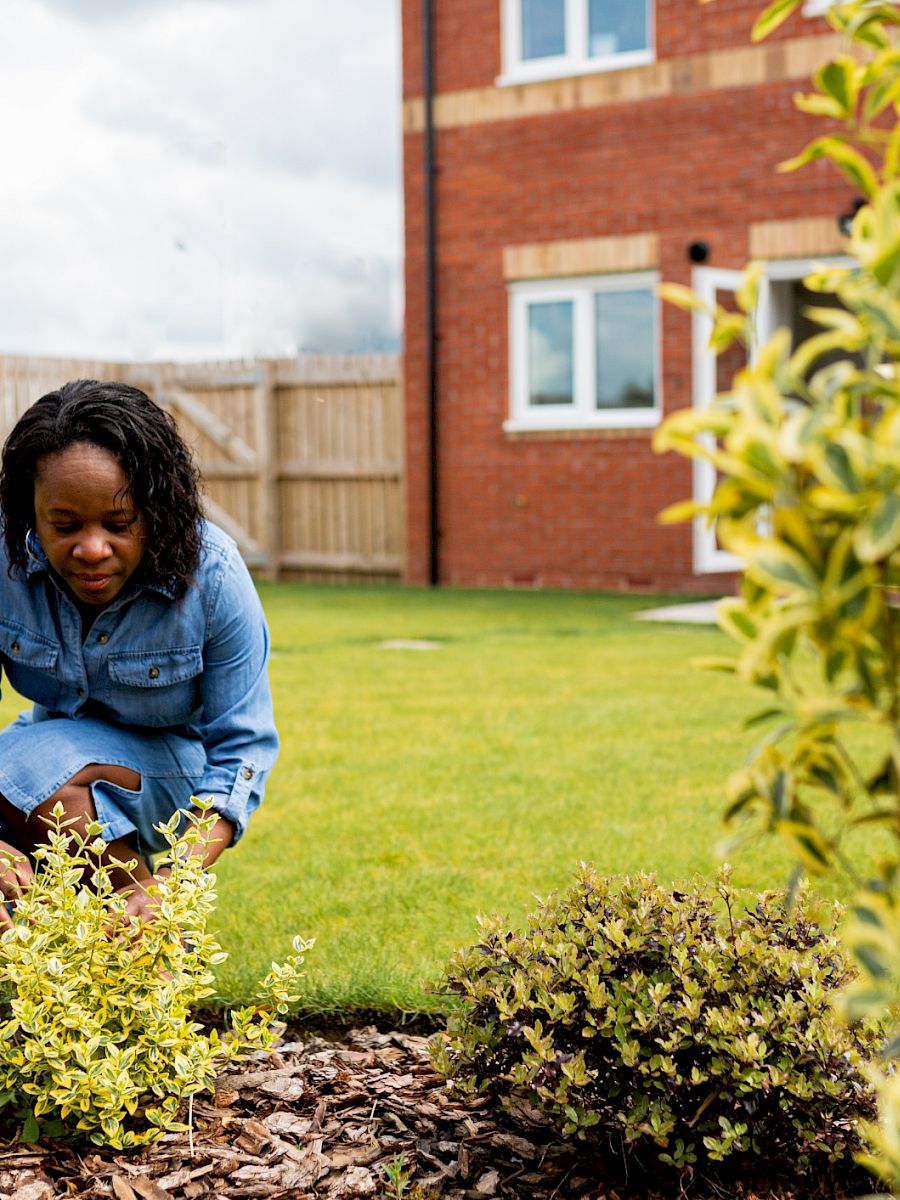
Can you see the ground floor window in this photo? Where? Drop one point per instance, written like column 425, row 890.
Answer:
column 584, row 352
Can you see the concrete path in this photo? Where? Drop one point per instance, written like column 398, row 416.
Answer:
column 699, row 612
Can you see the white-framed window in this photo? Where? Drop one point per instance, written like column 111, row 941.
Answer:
column 546, row 39
column 584, row 353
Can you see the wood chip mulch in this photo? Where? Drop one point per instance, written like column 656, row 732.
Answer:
column 327, row 1119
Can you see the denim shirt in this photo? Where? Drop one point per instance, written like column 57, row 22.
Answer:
column 194, row 666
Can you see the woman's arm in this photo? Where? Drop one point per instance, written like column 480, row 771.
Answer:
column 237, row 725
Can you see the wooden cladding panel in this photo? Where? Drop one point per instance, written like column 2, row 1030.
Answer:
column 301, row 460
column 805, row 237
column 581, row 256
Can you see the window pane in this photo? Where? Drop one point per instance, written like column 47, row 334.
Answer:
column 543, row 28
column 550, row 365
column 615, row 26
column 626, row 347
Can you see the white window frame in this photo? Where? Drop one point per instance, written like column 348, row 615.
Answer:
column 583, row 413
column 576, row 60
column 816, row 8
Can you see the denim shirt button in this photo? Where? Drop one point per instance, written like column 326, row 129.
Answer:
column 82, row 693
column 15, row 647
column 247, row 773
column 153, row 672
column 103, row 638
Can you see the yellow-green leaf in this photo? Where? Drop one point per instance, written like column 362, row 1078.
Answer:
column 727, row 328
column 683, row 510
column 733, row 618
column 892, row 154
column 773, row 16
column 838, row 79
column 880, row 309
column 747, row 293
column 852, row 165
column 683, row 297
column 865, row 24
column 878, row 536
column 818, row 105
column 780, row 567
column 883, row 92
column 807, row 843
column 833, row 318
column 814, row 150
column 885, row 264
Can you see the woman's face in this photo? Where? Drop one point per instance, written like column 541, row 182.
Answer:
column 91, row 532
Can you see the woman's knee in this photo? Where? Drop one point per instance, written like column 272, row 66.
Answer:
column 76, row 799
column 123, row 777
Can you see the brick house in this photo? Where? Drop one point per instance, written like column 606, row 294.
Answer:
column 581, row 151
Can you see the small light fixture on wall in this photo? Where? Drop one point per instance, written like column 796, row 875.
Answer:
column 845, row 218
column 698, row 252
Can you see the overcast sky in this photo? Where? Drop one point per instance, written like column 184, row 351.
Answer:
column 199, row 178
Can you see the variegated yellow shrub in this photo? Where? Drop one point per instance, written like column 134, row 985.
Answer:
column 97, row 1036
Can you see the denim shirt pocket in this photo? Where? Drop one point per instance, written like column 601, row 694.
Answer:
column 30, row 663
column 158, row 688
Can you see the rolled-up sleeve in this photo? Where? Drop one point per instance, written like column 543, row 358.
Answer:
column 237, row 726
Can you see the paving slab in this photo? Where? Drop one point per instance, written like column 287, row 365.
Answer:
column 697, row 612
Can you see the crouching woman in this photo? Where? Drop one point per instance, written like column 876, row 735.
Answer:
column 134, row 628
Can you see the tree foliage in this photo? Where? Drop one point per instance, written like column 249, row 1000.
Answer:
column 806, row 442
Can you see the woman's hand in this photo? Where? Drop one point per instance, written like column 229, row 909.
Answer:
column 142, row 905
column 15, row 876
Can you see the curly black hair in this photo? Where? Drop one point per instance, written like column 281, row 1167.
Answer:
column 163, row 482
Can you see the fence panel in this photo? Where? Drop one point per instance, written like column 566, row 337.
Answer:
column 302, row 459
column 340, row 437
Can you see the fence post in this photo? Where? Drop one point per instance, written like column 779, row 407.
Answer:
column 269, row 459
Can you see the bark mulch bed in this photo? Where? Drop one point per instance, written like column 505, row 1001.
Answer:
column 325, row 1119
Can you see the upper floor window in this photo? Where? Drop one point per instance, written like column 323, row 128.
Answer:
column 544, row 39
column 584, row 353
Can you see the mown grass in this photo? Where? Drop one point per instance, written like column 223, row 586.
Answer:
column 419, row 788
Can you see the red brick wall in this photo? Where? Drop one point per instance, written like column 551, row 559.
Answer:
column 575, row 510
column 467, row 36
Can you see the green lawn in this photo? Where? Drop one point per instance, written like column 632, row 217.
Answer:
column 419, row 788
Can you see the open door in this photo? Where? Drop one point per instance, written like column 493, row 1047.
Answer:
column 712, row 374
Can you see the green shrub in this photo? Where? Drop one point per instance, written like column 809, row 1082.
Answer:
column 666, row 1020
column 96, row 1034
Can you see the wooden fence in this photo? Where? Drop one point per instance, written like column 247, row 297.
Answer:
column 302, row 459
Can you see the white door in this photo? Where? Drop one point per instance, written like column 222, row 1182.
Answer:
column 712, row 374
column 781, row 302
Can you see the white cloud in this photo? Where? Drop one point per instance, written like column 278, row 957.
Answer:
column 221, row 178
column 115, row 11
